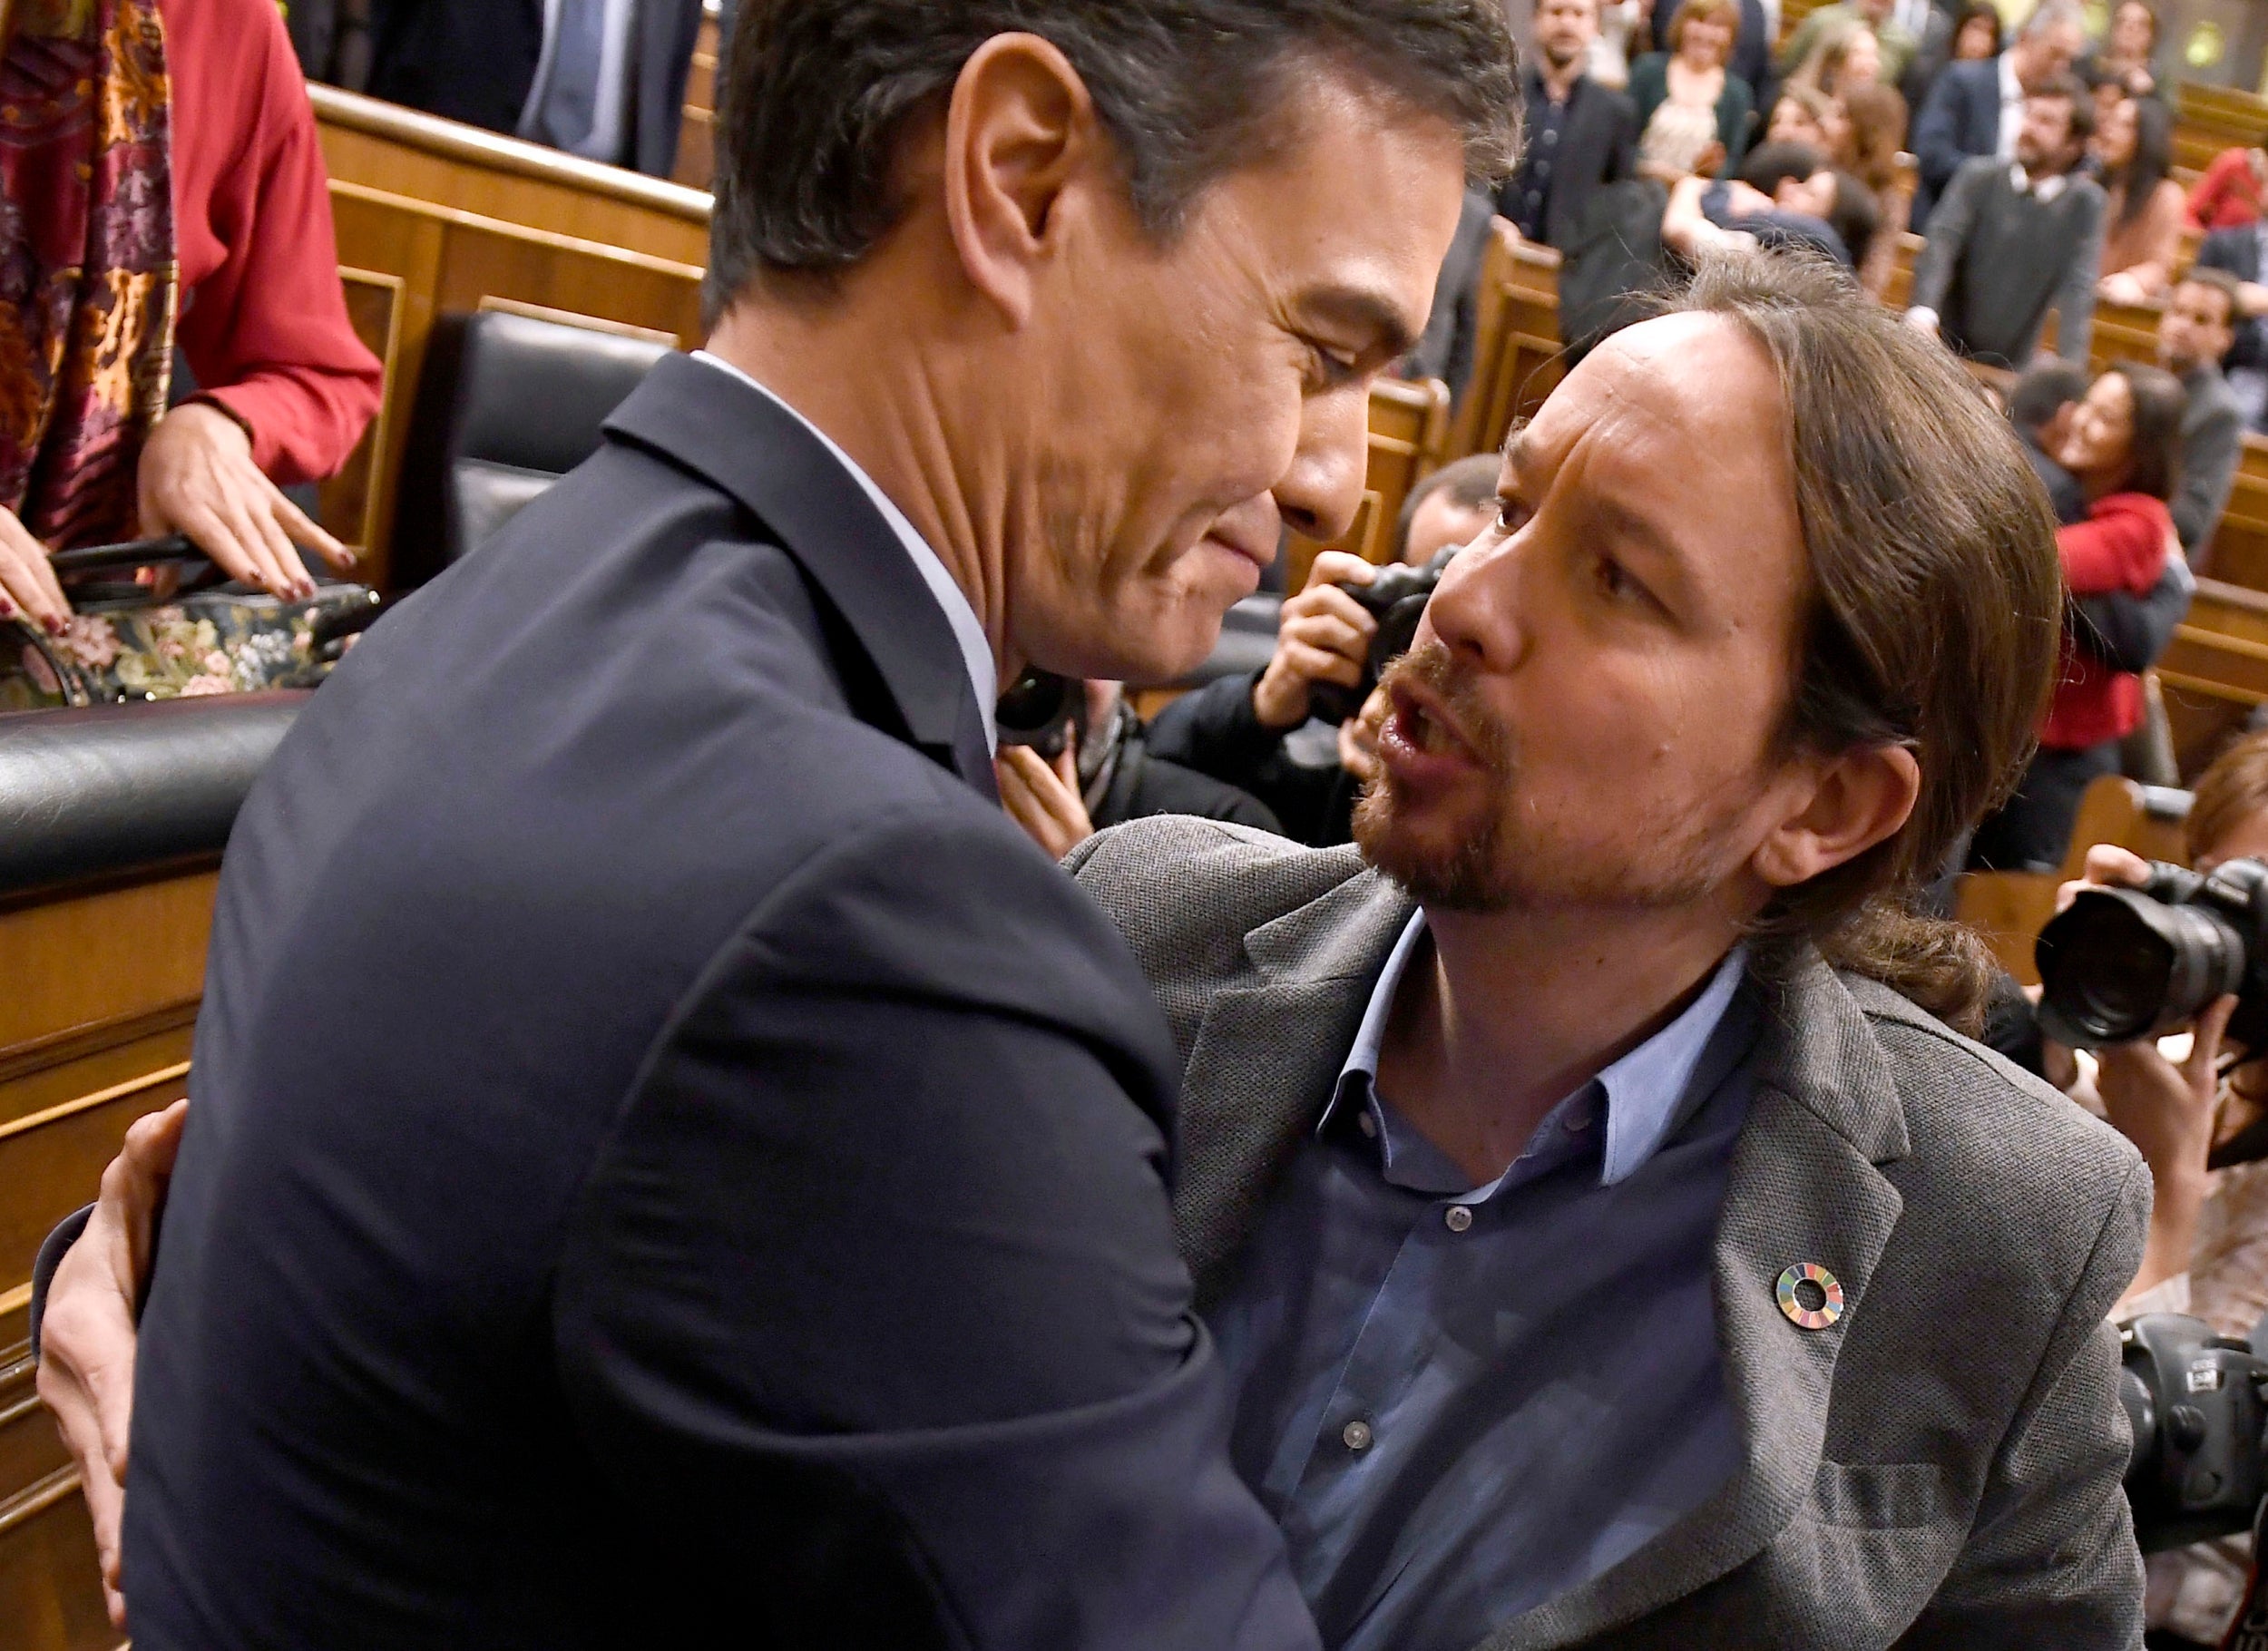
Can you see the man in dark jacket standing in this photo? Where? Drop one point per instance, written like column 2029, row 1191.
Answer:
column 671, row 1163
column 1977, row 108
column 1580, row 134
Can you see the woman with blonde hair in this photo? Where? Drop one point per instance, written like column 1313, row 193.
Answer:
column 1690, row 106
column 1874, row 136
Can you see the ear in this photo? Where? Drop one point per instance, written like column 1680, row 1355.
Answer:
column 1020, row 129
column 1856, row 800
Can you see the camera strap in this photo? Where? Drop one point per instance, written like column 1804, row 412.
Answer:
column 2249, row 1632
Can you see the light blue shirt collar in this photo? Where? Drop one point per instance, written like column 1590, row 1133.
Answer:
column 1644, row 1091
column 983, row 673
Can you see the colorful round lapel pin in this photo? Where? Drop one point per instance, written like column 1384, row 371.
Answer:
column 1810, row 1295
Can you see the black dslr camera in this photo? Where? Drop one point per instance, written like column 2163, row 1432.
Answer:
column 2127, row 963
column 1397, row 599
column 1041, row 710
column 2195, row 1401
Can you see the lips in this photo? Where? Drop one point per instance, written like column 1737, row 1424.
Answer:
column 1249, row 546
column 1420, row 736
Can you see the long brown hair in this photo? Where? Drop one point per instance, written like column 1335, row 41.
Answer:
column 1934, row 610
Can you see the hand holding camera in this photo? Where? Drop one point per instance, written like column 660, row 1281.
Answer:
column 1325, row 637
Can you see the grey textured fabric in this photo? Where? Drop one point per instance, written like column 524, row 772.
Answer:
column 1941, row 1468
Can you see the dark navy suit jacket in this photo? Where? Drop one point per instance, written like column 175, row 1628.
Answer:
column 671, row 1163
column 1959, row 120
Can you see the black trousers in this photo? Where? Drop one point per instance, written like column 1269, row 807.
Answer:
column 2032, row 833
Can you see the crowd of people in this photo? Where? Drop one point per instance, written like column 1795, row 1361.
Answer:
column 656, row 1117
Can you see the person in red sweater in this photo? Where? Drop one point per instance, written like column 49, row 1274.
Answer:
column 2124, row 451
column 2228, row 196
column 164, row 185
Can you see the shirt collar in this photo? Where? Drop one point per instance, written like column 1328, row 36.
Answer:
column 1645, row 1091
column 975, row 652
column 2045, row 189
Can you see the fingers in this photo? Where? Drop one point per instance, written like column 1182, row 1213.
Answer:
column 1041, row 802
column 2202, row 1067
column 28, row 586
column 1338, row 568
column 304, row 530
column 1319, row 665
column 1329, row 603
column 2107, row 867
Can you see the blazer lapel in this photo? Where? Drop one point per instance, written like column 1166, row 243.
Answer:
column 704, row 420
column 1804, row 1186
column 1265, row 1058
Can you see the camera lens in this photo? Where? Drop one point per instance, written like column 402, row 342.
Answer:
column 2120, row 965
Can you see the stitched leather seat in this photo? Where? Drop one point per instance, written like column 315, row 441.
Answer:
column 505, row 405
column 124, row 788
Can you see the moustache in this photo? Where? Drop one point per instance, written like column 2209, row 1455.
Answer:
column 1457, row 684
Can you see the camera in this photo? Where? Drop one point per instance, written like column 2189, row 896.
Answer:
column 1397, row 599
column 2132, row 962
column 2195, row 1402
column 1041, row 710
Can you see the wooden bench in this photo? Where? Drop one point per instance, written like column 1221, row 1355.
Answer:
column 104, row 984
column 2210, row 119
column 697, row 136
column 1516, row 359
column 2237, row 554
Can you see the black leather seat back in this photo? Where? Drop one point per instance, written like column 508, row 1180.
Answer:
column 505, row 404
column 117, row 789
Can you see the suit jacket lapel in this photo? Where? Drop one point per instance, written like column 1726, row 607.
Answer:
column 1804, row 1186
column 704, row 420
column 1265, row 1060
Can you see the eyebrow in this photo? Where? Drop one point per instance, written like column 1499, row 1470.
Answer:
column 1359, row 310
column 1612, row 515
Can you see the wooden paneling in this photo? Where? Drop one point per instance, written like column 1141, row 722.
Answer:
column 1516, row 359
column 382, row 146
column 696, row 137
column 350, row 500
column 103, row 989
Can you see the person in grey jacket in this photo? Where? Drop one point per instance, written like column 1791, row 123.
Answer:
column 1610, row 1240
column 2008, row 242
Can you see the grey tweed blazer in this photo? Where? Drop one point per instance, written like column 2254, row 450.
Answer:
column 1940, row 1468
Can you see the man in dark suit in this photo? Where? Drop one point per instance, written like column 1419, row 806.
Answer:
column 670, row 1162
column 1579, row 133
column 1977, row 108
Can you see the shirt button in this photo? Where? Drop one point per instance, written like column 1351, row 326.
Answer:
column 1357, row 1435
column 1458, row 1217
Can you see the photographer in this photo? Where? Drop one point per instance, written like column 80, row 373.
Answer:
column 1091, row 768
column 2208, row 1253
column 1255, row 732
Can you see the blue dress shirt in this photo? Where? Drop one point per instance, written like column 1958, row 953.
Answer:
column 1460, row 1402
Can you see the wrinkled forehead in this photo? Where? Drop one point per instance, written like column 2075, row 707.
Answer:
column 1694, row 390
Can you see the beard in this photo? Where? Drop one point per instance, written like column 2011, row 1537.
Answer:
column 1495, row 852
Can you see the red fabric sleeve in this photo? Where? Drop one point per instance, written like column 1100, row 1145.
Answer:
column 2120, row 547
column 264, row 321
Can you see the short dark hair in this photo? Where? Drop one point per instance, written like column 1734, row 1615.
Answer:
column 1935, row 629
column 2159, row 404
column 2044, row 391
column 2216, row 280
column 816, row 94
column 2068, row 87
column 1988, row 10
column 1469, row 483
column 1769, row 165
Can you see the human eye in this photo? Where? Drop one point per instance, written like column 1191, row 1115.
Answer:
column 1512, row 515
column 1331, row 368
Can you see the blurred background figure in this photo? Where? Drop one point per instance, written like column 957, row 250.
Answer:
column 1977, row 108
column 2124, row 449
column 1693, row 112
column 2228, row 192
column 2133, row 149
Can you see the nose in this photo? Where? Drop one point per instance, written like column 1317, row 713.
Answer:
column 1322, row 490
column 1477, row 609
